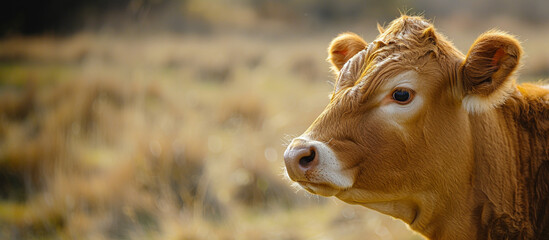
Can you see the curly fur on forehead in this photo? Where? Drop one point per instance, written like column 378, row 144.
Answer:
column 406, row 44
column 416, row 34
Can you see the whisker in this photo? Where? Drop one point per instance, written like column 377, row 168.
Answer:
column 287, row 139
column 329, row 141
column 294, row 185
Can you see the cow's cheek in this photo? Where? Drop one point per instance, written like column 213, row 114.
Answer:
column 384, row 164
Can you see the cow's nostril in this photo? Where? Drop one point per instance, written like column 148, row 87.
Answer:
column 306, row 160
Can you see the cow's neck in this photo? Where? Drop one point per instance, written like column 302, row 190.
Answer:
column 508, row 155
column 498, row 202
column 431, row 216
column 497, row 172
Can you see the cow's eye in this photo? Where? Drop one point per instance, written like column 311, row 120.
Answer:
column 402, row 96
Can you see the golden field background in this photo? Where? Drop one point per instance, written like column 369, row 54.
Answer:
column 158, row 134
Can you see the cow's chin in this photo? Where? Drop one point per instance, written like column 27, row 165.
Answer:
column 321, row 189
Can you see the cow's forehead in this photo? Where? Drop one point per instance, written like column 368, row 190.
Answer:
column 404, row 29
column 384, row 62
column 403, row 46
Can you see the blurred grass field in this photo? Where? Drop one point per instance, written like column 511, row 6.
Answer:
column 179, row 136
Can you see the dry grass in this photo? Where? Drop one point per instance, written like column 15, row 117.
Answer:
column 165, row 137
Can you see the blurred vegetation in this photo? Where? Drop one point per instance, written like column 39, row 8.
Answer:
column 168, row 119
column 163, row 137
column 65, row 16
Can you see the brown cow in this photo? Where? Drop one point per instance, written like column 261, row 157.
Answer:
column 416, row 130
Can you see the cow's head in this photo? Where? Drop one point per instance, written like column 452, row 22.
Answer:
column 396, row 130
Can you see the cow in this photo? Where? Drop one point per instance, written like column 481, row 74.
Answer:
column 449, row 143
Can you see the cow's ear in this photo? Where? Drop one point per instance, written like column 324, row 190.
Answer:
column 343, row 48
column 487, row 71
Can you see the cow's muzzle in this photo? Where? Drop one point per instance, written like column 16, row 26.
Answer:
column 300, row 156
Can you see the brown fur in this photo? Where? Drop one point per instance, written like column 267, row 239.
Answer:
column 450, row 171
column 343, row 47
column 493, row 57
